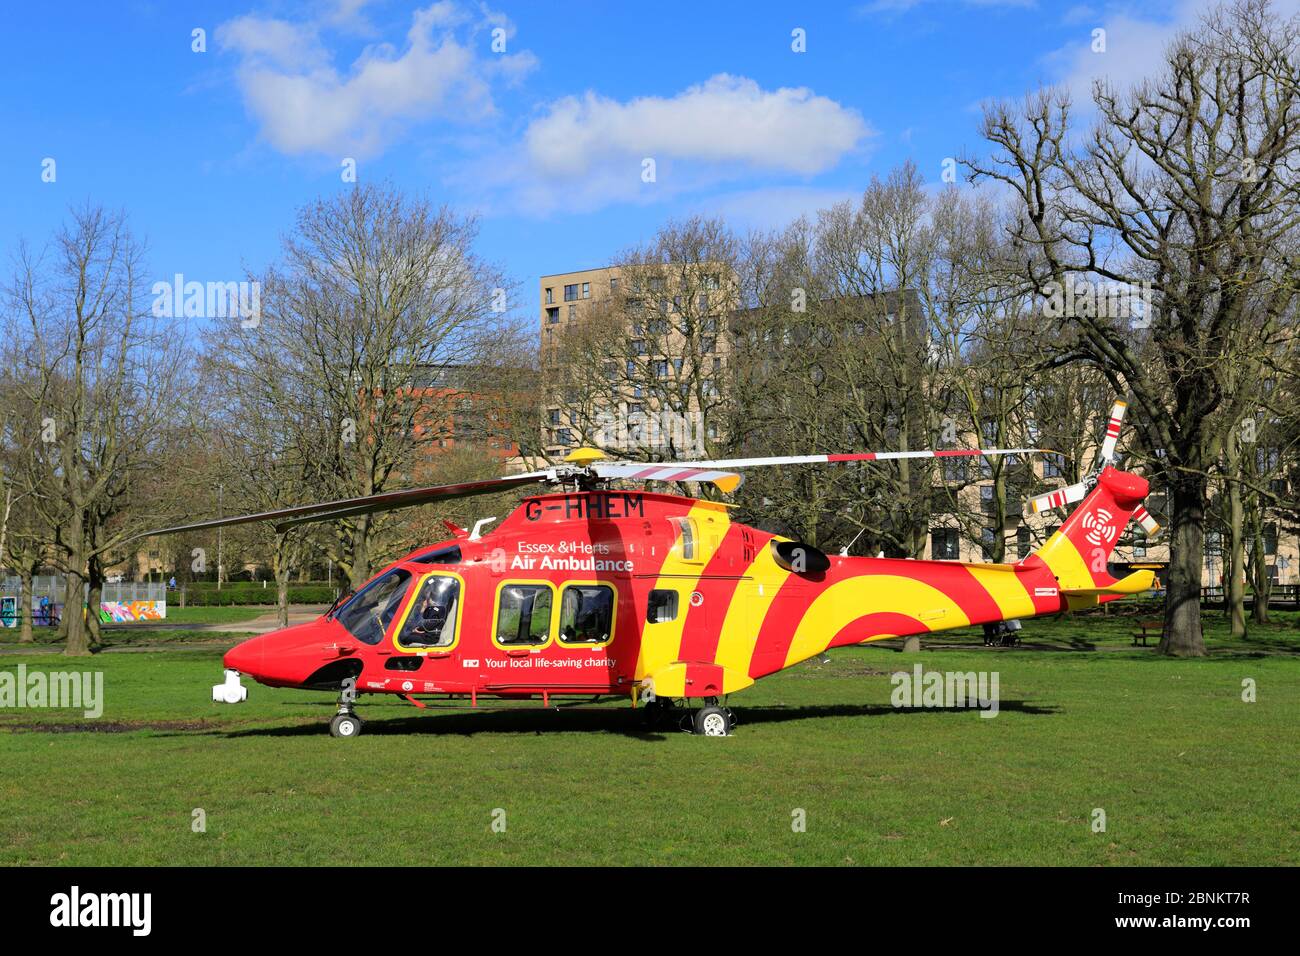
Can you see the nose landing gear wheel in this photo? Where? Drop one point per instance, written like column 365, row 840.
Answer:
column 712, row 721
column 345, row 725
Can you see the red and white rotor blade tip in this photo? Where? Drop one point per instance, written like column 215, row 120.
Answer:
column 1112, row 431
column 1059, row 498
column 1149, row 524
column 669, row 471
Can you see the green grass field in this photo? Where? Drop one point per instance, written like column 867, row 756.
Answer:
column 1186, row 772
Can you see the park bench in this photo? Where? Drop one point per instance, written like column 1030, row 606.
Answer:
column 1147, row 629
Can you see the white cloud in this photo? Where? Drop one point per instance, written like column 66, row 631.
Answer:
column 582, row 153
column 1135, row 45
column 304, row 104
column 725, row 120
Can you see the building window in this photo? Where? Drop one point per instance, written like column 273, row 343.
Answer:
column 954, row 469
column 613, row 286
column 1024, row 543
column 553, row 315
column 987, row 539
column 571, row 292
column 563, row 436
column 943, row 544
column 550, row 295
column 573, row 312
column 555, row 416
column 656, row 283
column 660, row 368
column 586, row 290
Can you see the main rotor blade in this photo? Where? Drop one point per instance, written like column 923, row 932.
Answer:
column 730, row 463
column 637, row 471
column 369, row 504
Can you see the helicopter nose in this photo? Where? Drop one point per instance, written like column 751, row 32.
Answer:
column 247, row 657
column 288, row 657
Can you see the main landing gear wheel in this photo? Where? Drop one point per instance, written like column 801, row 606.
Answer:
column 713, row 721
column 345, row 725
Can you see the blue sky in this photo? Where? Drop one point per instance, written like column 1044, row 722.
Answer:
column 211, row 152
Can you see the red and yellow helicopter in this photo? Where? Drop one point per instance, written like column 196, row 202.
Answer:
column 593, row 591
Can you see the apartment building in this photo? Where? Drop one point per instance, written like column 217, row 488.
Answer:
column 670, row 320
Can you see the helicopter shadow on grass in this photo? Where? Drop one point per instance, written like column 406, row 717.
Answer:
column 609, row 720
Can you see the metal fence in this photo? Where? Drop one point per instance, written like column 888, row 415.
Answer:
column 52, row 587
column 1280, row 596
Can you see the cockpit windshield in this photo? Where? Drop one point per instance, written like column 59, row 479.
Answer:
column 370, row 611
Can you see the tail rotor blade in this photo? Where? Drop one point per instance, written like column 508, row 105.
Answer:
column 1149, row 524
column 1059, row 498
column 1112, row 431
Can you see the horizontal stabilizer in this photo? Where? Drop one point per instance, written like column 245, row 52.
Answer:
column 1135, row 583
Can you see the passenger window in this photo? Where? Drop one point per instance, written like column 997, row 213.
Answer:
column 524, row 614
column 431, row 621
column 586, row 614
column 661, row 607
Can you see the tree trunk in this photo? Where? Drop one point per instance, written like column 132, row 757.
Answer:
column 1182, row 636
column 1262, row 582
column 94, row 597
column 74, row 615
column 25, row 635
column 282, row 598
column 359, row 569
column 1236, row 563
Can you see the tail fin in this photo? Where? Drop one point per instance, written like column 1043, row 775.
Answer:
column 1078, row 552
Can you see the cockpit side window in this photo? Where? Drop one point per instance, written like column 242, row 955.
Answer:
column 431, row 621
column 368, row 614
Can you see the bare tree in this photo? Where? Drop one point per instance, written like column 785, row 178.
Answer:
column 376, row 288
column 105, row 382
column 1185, row 186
